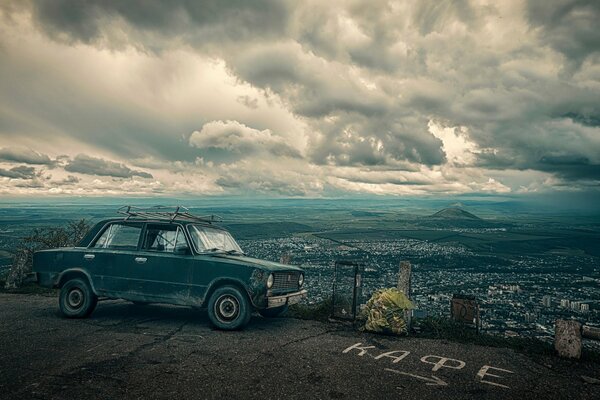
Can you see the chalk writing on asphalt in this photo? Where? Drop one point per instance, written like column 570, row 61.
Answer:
column 487, row 374
column 433, row 381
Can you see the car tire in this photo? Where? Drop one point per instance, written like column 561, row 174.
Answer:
column 273, row 312
column 229, row 308
column 77, row 300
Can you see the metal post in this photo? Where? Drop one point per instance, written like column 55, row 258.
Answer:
column 465, row 309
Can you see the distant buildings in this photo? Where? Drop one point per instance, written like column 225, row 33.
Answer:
column 530, row 317
column 585, row 307
column 547, row 301
column 519, row 299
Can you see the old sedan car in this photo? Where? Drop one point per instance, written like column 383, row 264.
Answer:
column 155, row 256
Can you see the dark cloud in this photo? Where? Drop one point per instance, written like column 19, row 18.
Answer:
column 570, row 26
column 199, row 21
column 570, row 166
column 312, row 87
column 69, row 180
column 260, row 184
column 20, row 172
column 588, row 119
column 97, row 166
column 24, row 155
column 361, row 84
column 435, row 15
column 30, row 184
column 357, row 140
column 361, row 34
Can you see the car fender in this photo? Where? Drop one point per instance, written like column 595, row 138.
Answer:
column 75, row 272
column 221, row 281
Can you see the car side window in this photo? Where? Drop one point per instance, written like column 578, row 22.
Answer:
column 119, row 236
column 165, row 238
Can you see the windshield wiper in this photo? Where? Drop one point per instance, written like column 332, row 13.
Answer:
column 232, row 251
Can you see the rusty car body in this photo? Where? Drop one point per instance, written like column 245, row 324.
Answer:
column 155, row 256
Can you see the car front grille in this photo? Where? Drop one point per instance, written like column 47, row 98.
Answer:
column 285, row 282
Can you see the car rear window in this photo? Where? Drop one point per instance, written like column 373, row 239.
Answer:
column 119, row 236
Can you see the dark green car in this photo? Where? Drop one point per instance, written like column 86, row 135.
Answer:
column 174, row 258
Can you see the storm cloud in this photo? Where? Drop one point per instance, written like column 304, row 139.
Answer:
column 387, row 97
column 24, row 155
column 21, row 172
column 87, row 165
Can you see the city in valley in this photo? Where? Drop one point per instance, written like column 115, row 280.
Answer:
column 526, row 269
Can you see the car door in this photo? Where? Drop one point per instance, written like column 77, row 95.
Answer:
column 164, row 263
column 110, row 259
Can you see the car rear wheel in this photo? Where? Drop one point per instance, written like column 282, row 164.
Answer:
column 77, row 300
column 273, row 312
column 229, row 308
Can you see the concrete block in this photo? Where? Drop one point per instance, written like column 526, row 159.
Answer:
column 567, row 338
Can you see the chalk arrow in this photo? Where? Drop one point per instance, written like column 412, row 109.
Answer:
column 433, row 381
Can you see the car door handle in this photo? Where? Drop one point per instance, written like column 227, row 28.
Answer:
column 89, row 256
column 141, row 260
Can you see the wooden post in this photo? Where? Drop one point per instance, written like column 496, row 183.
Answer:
column 404, row 278
column 567, row 338
column 404, row 287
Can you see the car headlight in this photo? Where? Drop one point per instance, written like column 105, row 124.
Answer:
column 301, row 280
column 270, row 281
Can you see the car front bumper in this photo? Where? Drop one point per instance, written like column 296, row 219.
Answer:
column 286, row 299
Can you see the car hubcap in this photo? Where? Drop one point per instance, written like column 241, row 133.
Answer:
column 75, row 298
column 227, row 308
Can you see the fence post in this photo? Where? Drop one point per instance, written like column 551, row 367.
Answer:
column 404, row 278
column 567, row 338
column 404, row 287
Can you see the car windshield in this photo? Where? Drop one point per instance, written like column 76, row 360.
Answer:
column 212, row 239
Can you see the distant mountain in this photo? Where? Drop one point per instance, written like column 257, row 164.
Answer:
column 454, row 213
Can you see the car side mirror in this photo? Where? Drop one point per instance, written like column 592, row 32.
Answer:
column 183, row 251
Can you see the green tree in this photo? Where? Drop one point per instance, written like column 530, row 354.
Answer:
column 40, row 239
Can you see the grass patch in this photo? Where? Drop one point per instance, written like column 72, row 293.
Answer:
column 28, row 288
column 446, row 329
column 443, row 328
column 319, row 311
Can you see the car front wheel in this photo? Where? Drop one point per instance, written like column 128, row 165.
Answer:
column 229, row 308
column 77, row 300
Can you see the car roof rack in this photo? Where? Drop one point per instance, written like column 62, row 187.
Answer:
column 165, row 213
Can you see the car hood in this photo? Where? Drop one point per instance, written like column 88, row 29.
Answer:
column 264, row 264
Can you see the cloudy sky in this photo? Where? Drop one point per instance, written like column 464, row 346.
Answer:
column 288, row 98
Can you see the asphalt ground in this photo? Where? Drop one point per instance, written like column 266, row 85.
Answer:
column 127, row 351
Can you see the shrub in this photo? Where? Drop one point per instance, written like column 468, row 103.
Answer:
column 40, row 239
column 319, row 311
